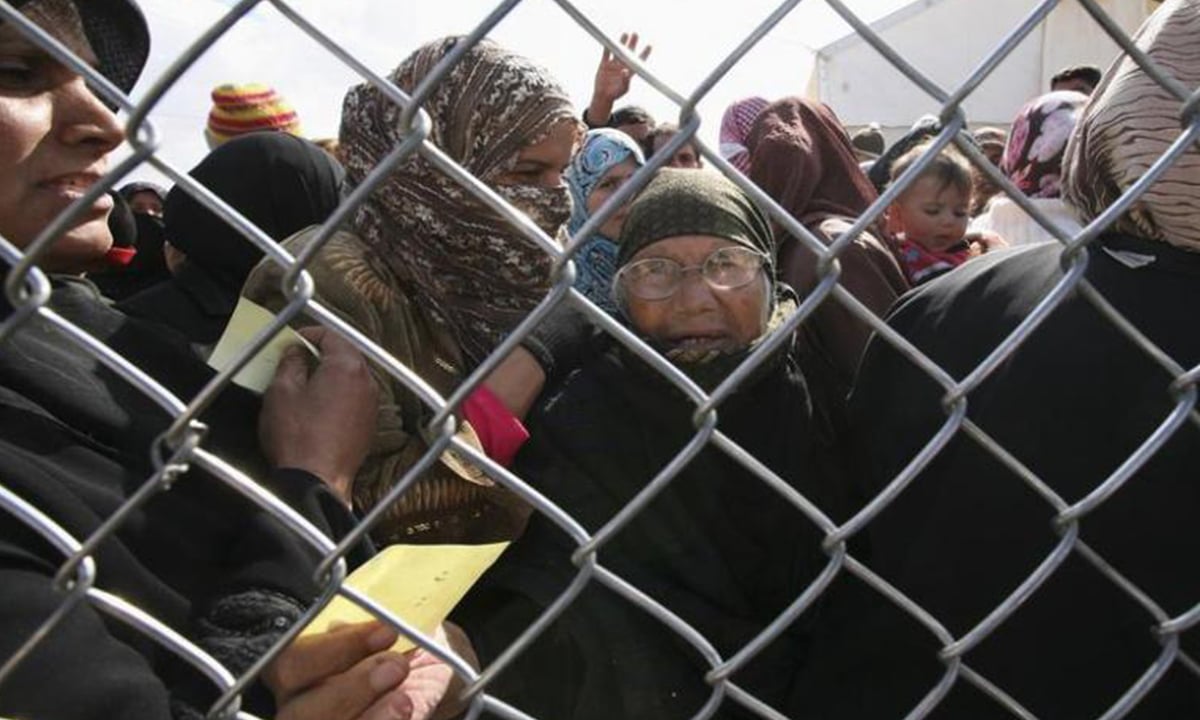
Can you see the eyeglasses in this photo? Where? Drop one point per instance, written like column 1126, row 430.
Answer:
column 659, row 278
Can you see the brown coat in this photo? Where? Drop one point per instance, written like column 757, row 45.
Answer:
column 453, row 501
column 802, row 158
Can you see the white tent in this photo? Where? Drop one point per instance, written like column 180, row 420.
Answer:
column 946, row 40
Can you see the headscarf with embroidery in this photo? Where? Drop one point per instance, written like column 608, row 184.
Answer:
column 1129, row 123
column 739, row 117
column 1034, row 152
column 602, row 150
column 474, row 273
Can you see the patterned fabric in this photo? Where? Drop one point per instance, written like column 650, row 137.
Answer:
column 474, row 274
column 739, row 117
column 1129, row 123
column 679, row 201
column 922, row 264
column 1034, row 152
column 595, row 263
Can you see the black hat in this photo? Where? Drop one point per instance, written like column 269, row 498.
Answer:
column 117, row 32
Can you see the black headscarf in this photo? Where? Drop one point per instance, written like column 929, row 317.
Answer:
column 280, row 182
column 116, row 31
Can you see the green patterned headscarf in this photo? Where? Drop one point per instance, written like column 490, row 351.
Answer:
column 686, row 202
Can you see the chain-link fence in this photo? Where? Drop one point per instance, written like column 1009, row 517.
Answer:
column 182, row 445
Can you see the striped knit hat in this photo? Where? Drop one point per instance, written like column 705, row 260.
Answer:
column 241, row 109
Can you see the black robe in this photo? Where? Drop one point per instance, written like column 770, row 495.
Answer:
column 717, row 547
column 1074, row 401
column 75, row 442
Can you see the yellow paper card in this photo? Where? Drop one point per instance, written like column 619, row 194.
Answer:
column 419, row 583
column 248, row 319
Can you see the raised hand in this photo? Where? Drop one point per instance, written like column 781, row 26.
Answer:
column 613, row 77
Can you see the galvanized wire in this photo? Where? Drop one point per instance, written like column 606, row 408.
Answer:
column 181, row 446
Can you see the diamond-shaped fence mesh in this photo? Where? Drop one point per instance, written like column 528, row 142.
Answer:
column 79, row 579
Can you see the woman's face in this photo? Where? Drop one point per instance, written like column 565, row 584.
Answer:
column 56, row 137
column 699, row 318
column 611, row 182
column 542, row 163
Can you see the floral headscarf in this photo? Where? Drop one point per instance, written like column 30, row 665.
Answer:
column 474, row 273
column 739, row 117
column 595, row 263
column 1034, row 152
column 1129, row 123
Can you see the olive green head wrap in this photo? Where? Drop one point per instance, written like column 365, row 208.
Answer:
column 695, row 202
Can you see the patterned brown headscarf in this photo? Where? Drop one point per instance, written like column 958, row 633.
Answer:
column 1129, row 123
column 474, row 273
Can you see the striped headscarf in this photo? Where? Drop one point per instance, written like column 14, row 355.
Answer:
column 595, row 263
column 1129, row 123
column 472, row 271
column 739, row 117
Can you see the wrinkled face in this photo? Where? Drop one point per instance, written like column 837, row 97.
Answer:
column 685, row 157
column 146, row 202
column 542, row 163
column 933, row 215
column 56, row 138
column 698, row 318
column 611, row 182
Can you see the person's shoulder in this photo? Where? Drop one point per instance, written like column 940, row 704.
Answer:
column 993, row 290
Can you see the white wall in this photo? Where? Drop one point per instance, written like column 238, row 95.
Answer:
column 946, row 40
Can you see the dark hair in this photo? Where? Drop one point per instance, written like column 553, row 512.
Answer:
column 630, row 115
column 949, row 167
column 1090, row 74
column 128, row 190
column 662, row 130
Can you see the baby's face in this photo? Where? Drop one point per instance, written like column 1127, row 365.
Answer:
column 930, row 214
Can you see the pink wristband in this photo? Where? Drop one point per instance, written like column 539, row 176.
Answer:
column 499, row 431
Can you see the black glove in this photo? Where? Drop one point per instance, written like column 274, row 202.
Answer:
column 561, row 341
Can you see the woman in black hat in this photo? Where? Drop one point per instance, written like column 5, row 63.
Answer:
column 716, row 546
column 76, row 442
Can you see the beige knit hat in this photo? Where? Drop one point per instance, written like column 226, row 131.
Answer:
column 241, row 109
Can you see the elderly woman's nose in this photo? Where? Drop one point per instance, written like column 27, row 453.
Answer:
column 81, row 119
column 694, row 292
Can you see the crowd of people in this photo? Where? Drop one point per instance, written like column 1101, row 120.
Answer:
column 438, row 279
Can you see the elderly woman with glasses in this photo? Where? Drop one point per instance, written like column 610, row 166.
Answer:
column 716, row 545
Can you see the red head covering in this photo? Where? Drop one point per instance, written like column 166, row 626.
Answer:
column 801, row 157
column 736, row 123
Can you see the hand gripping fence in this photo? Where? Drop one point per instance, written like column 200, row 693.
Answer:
column 180, row 446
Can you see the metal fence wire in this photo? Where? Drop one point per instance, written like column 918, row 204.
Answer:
column 182, row 445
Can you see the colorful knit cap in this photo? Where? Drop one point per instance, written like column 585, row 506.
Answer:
column 241, row 109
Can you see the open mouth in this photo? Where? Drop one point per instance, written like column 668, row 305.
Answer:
column 692, row 347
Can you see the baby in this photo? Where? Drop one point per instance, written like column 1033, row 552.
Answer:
column 929, row 219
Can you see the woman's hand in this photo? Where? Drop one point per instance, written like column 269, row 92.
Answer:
column 349, row 674
column 984, row 241
column 321, row 421
column 613, row 77
column 345, row 674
